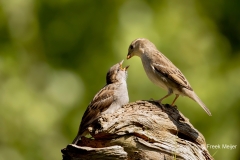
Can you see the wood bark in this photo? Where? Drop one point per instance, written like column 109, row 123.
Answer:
column 141, row 130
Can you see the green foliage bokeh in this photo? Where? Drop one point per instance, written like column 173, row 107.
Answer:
column 54, row 56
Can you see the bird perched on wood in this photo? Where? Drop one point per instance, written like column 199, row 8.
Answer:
column 109, row 99
column 162, row 72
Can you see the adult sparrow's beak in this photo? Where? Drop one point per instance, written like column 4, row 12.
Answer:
column 129, row 56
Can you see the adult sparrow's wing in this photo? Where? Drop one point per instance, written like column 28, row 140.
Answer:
column 166, row 68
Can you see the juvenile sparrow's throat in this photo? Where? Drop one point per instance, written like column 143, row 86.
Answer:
column 108, row 100
column 112, row 75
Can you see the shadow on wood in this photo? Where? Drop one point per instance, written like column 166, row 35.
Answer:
column 141, row 130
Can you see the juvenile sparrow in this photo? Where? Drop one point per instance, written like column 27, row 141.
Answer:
column 162, row 72
column 109, row 99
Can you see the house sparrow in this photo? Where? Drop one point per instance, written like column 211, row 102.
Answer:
column 109, row 99
column 162, row 72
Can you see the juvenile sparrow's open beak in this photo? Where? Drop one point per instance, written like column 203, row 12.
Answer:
column 125, row 68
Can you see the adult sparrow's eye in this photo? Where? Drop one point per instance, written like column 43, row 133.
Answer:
column 131, row 47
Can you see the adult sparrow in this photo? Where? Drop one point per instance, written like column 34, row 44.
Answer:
column 162, row 72
column 109, row 99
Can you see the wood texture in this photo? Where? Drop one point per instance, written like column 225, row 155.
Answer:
column 141, row 130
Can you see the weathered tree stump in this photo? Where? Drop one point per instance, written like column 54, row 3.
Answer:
column 141, row 130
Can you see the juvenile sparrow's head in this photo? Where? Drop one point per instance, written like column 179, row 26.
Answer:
column 116, row 73
column 138, row 47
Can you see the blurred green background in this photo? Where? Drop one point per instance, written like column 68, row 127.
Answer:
column 54, row 56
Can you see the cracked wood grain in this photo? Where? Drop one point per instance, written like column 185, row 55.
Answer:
column 141, row 130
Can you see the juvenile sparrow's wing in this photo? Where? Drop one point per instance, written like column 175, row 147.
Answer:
column 101, row 102
column 166, row 68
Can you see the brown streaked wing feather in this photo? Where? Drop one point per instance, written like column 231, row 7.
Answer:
column 101, row 101
column 168, row 69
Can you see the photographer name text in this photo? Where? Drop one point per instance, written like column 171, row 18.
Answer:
column 221, row 146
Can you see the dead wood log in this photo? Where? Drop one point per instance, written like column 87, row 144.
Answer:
column 141, row 130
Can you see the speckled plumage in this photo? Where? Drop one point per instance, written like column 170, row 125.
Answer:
column 109, row 99
column 162, row 72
